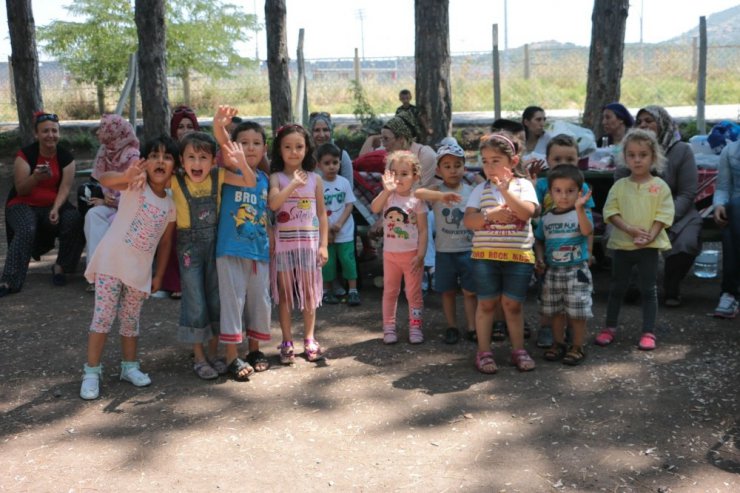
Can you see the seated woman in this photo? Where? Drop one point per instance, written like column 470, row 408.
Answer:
column 37, row 211
column 727, row 215
column 119, row 149
column 322, row 131
column 615, row 120
column 535, row 136
column 681, row 176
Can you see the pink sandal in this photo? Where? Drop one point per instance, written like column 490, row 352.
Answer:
column 287, row 355
column 484, row 362
column 605, row 337
column 522, row 360
column 647, row 341
column 313, row 350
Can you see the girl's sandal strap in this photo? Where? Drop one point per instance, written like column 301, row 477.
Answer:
column 485, row 363
column 522, row 360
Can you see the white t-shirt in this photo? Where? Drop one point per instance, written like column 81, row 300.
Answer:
column 128, row 247
column 337, row 194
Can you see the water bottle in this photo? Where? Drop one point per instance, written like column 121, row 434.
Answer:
column 705, row 265
column 604, row 142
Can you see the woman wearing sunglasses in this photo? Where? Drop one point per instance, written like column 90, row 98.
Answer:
column 37, row 211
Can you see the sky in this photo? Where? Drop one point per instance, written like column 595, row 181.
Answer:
column 385, row 28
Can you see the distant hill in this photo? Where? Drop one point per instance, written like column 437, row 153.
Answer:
column 723, row 28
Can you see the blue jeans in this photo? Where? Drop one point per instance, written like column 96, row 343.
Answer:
column 731, row 249
column 200, row 308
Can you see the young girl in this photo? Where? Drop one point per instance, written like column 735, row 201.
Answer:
column 243, row 248
column 121, row 266
column 640, row 207
column 301, row 229
column 499, row 212
column 404, row 242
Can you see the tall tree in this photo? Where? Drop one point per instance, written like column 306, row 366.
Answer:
column 153, row 66
column 606, row 59
column 97, row 50
column 432, row 56
column 277, row 62
column 200, row 38
column 25, row 62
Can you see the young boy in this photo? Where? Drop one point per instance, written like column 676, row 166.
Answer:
column 561, row 150
column 197, row 197
column 561, row 251
column 453, row 241
column 339, row 200
column 243, row 247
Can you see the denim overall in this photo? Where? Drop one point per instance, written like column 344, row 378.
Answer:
column 196, row 255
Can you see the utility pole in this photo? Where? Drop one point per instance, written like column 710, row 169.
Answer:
column 361, row 16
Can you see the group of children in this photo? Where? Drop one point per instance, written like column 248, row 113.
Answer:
column 244, row 237
column 486, row 244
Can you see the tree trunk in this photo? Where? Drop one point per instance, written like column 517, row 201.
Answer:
column 101, row 98
column 25, row 62
column 433, row 69
column 277, row 62
column 186, row 87
column 155, row 104
column 606, row 59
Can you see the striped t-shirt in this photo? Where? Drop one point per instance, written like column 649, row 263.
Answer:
column 508, row 242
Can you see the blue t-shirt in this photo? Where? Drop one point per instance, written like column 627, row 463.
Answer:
column 543, row 195
column 564, row 243
column 242, row 223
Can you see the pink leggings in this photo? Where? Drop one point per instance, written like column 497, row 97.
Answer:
column 397, row 266
column 111, row 296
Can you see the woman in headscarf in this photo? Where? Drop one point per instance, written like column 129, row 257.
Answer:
column 680, row 174
column 119, row 149
column 322, row 132
column 400, row 133
column 616, row 120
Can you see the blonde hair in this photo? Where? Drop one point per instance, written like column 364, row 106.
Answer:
column 507, row 144
column 645, row 137
column 407, row 157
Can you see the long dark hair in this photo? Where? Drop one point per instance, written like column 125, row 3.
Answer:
column 277, row 163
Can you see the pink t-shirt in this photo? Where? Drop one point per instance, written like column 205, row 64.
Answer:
column 128, row 247
column 400, row 230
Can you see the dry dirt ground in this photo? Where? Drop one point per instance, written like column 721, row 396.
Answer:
column 375, row 418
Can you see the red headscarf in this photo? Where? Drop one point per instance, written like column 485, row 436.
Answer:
column 181, row 112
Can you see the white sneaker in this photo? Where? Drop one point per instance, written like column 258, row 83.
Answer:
column 728, row 306
column 90, row 388
column 130, row 372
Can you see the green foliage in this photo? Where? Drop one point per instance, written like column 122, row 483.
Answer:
column 97, row 50
column 363, row 111
column 201, row 35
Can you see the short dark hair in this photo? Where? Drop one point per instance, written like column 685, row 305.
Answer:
column 562, row 140
column 243, row 126
column 404, row 91
column 165, row 142
column 511, row 126
column 567, row 172
column 200, row 141
column 330, row 149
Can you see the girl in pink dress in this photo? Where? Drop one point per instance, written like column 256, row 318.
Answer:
column 301, row 227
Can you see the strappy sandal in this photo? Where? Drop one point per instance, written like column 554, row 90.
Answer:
column 258, row 360
column 556, row 352
column 498, row 333
column 522, row 360
column 574, row 356
column 313, row 350
column 237, row 367
column 485, row 363
column 204, row 370
column 287, row 354
column 218, row 364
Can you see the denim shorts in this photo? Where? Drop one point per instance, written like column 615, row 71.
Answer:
column 495, row 277
column 451, row 266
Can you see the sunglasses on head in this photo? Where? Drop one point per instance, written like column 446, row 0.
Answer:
column 184, row 110
column 47, row 117
column 323, row 114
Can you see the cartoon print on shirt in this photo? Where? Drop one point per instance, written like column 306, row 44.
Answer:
column 397, row 217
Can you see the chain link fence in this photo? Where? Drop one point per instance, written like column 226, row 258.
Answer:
column 553, row 77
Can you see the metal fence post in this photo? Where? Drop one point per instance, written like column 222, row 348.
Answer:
column 526, row 61
column 496, row 76
column 694, row 62
column 701, row 85
column 300, row 92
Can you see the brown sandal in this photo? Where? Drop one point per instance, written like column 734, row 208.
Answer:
column 574, row 356
column 556, row 352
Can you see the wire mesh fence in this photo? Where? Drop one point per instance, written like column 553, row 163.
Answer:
column 553, row 77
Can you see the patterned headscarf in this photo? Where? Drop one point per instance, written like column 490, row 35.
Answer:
column 403, row 125
column 118, row 145
column 178, row 114
column 668, row 133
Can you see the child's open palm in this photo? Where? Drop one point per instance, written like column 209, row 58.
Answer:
column 300, row 178
column 582, row 199
column 389, row 180
column 136, row 175
column 502, row 181
column 234, row 155
column 451, row 198
column 224, row 114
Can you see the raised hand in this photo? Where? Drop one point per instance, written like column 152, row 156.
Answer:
column 234, row 155
column 502, row 182
column 582, row 199
column 534, row 167
column 389, row 180
column 451, row 198
column 224, row 114
column 136, row 175
column 300, row 178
